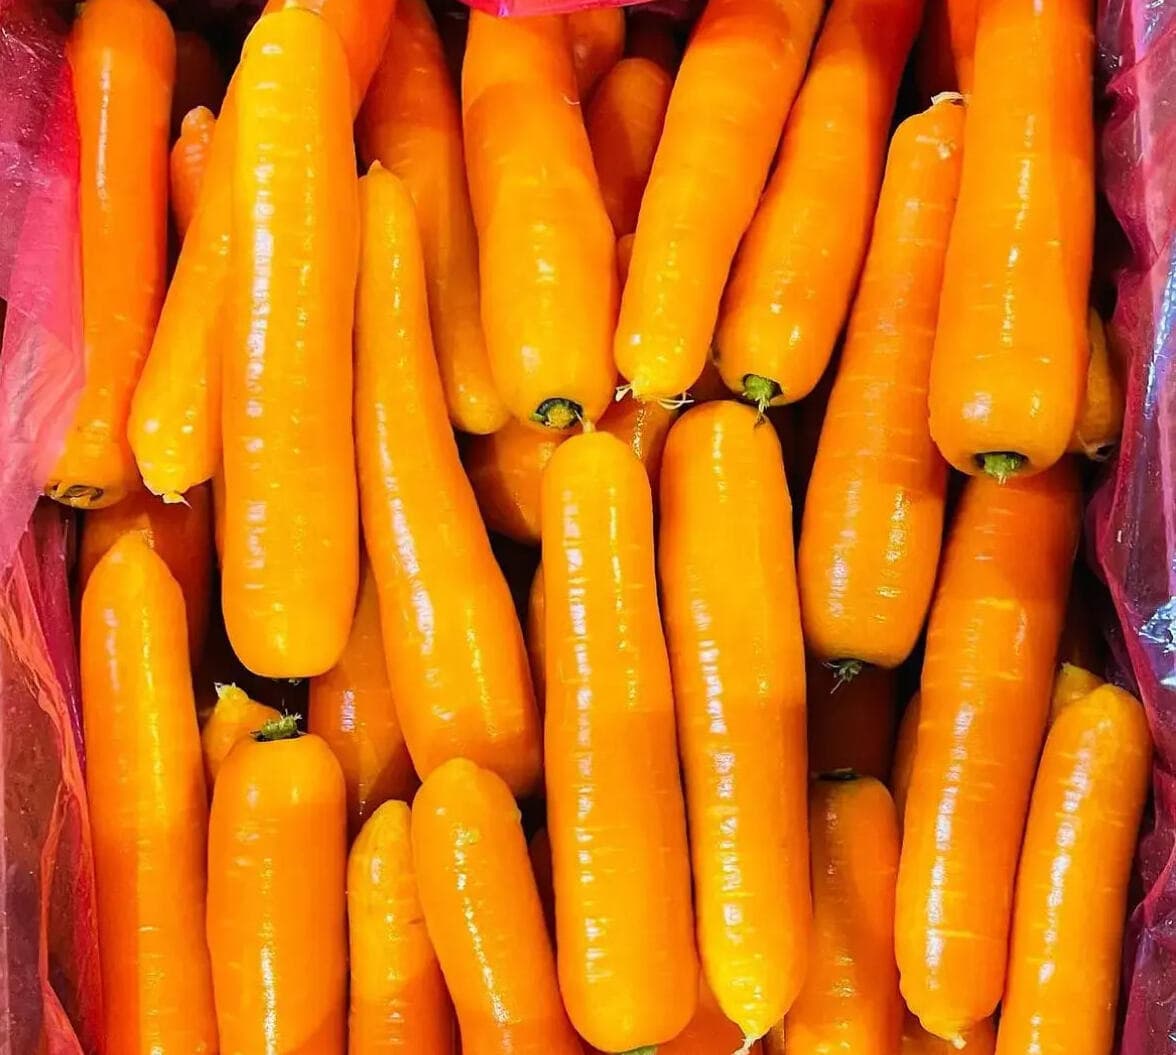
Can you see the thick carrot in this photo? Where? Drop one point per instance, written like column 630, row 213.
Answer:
column 732, row 620
column 1071, row 684
column 624, row 122
column 851, row 723
column 944, row 53
column 351, row 708
column 985, row 691
column 411, row 124
column 457, row 664
column 1100, row 415
column 122, row 56
column 277, row 863
column 291, row 549
column 873, row 518
column 1071, row 899
column 548, row 272
column 798, row 263
column 615, row 816
column 484, row 916
column 850, row 1001
column 200, row 79
column 398, row 998
column 979, row 1040
column 505, row 469
column 1012, row 345
column 234, row 717
column 180, row 534
column 741, row 70
column 189, row 158
column 148, row 809
column 597, row 36
column 536, row 637
column 904, row 755
column 709, row 1032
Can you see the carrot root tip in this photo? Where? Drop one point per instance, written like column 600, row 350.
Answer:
column 844, row 671
column 283, row 728
column 621, row 392
column 173, row 498
column 760, row 391
column 80, row 496
column 746, row 1046
column 1002, row 466
column 558, row 413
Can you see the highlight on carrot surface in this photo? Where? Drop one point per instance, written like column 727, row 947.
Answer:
column 505, row 469
column 1071, row 896
column 188, row 160
column 1012, row 345
column 1100, row 414
column 200, row 79
column 234, row 717
column 979, row 1040
column 792, row 281
column 546, row 247
column 148, row 810
column 597, row 36
column 851, row 724
column 984, row 701
column 1071, row 684
column 732, row 92
column 121, row 55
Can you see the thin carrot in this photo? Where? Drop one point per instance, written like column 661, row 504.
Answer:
column 980, row 1040
column 709, row 1032
column 411, row 124
column 234, row 717
column 484, row 914
column 457, row 664
column 1012, row 345
column 505, row 469
column 791, row 284
column 873, row 519
column 548, row 272
column 351, row 708
column 732, row 621
column 1071, row 900
column 597, row 36
column 985, row 691
column 398, row 998
column 189, row 157
column 536, row 637
column 737, row 80
column 850, row 1000
column 904, row 755
column 944, row 54
column 1100, row 415
column 1071, row 684
column 851, row 723
column 122, row 57
column 200, row 80
column 277, row 864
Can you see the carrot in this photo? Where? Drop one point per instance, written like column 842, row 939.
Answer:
column 1012, row 345
column 1071, row 900
column 798, row 263
column 732, row 622
column 411, row 124
column 627, row 965
column 850, row 1000
column 398, row 998
column 732, row 93
column 548, row 273
column 536, row 637
column 180, row 534
column 200, row 80
column 980, row 1040
column 985, row 691
column 189, row 157
column 1071, row 684
column 709, row 1032
column 122, row 57
column 850, row 723
column 624, row 122
column 291, row 553
column 277, row 862
column 457, row 665
column 351, row 708
column 1100, row 414
column 945, row 50
column 904, row 755
column 643, row 428
column 484, row 915
column 597, row 36
column 504, row 470
column 234, row 717
column 869, row 544
column 148, row 810
column 653, row 35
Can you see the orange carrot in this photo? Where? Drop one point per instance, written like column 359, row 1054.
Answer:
column 873, row 520
column 122, row 56
column 189, row 157
column 234, row 717
column 738, row 77
column 985, row 691
column 1100, row 415
column 850, row 723
column 945, row 52
column 904, row 756
column 1071, row 684
column 1012, row 345
column 411, row 124
column 548, row 271
column 505, row 469
column 597, row 36
column 980, row 1040
column 148, row 810
column 200, row 80
column 536, row 639
column 457, row 664
column 798, row 263
column 643, row 428
column 732, row 620
column 709, row 1032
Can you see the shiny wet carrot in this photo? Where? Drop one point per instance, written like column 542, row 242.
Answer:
column 851, row 724
column 597, row 37
column 234, row 717
column 188, row 160
column 1100, row 414
column 979, row 1040
column 1071, row 684
column 505, row 469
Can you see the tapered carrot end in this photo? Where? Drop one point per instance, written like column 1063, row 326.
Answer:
column 173, row 498
column 78, row 496
column 558, row 413
column 746, row 1046
column 1002, row 466
column 284, row 728
column 844, row 671
column 760, row 391
column 958, row 1042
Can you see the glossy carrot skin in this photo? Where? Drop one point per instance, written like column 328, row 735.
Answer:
column 398, row 998
column 548, row 275
column 709, row 1032
column 851, row 724
column 905, row 746
column 189, row 157
column 411, row 124
column 484, row 915
column 351, row 708
column 457, row 665
column 122, row 57
column 505, row 470
column 291, row 549
column 980, row 1040
column 1100, row 414
column 627, row 965
column 234, row 717
column 1071, row 684
column 987, row 675
column 148, row 809
column 277, row 927
column 731, row 95
column 1011, row 349
column 873, row 521
column 597, row 37
column 791, row 284
column 850, row 1002
column 624, row 122
column 732, row 620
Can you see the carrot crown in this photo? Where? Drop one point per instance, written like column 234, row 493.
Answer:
column 283, row 728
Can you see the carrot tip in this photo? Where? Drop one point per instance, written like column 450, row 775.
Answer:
column 746, row 1046
column 283, row 728
column 947, row 97
column 173, row 498
column 80, row 496
column 844, row 671
column 760, row 391
column 621, row 392
column 1001, row 465
column 558, row 413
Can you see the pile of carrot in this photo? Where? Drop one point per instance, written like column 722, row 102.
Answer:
column 643, row 498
